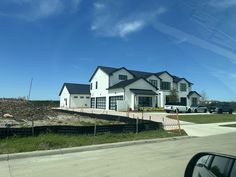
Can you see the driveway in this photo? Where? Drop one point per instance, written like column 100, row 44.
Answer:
column 207, row 129
column 164, row 159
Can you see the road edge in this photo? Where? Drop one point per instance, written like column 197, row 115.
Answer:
column 6, row 157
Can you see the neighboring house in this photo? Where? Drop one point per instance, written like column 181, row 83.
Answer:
column 75, row 95
column 122, row 89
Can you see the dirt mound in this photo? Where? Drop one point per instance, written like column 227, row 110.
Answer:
column 22, row 109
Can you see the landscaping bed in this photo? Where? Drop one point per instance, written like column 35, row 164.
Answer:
column 204, row 119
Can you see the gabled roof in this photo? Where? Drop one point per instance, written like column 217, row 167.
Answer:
column 162, row 72
column 137, row 74
column 141, row 73
column 123, row 84
column 177, row 79
column 192, row 92
column 143, row 92
column 76, row 88
column 107, row 70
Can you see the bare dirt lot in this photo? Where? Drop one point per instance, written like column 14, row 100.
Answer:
column 21, row 113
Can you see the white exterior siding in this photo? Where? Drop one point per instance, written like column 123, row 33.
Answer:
column 167, row 78
column 79, row 101
column 131, row 98
column 152, row 77
column 106, row 80
column 103, row 83
column 65, row 98
column 114, row 78
column 194, row 95
column 68, row 100
column 183, row 94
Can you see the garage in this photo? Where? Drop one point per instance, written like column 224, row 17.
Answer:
column 113, row 102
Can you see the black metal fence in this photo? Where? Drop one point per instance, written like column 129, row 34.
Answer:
column 130, row 126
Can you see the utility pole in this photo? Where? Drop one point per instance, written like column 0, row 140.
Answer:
column 31, row 82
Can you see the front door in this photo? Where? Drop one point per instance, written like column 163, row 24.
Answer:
column 183, row 101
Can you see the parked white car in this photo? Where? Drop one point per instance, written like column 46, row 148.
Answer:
column 198, row 108
column 176, row 108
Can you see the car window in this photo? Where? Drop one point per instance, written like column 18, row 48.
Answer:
column 233, row 171
column 218, row 166
column 205, row 160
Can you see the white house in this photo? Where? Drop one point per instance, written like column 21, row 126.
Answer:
column 115, row 88
column 75, row 95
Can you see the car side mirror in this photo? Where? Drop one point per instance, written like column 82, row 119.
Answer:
column 207, row 164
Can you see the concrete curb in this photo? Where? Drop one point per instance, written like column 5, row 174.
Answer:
column 6, row 157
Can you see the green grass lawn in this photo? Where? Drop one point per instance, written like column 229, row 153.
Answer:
column 229, row 125
column 56, row 141
column 203, row 119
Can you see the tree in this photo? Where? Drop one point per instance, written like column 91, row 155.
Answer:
column 173, row 97
column 203, row 96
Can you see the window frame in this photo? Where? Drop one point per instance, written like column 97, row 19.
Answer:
column 123, row 77
column 165, row 85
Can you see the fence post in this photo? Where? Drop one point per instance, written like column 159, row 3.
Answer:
column 137, row 125
column 177, row 115
column 95, row 127
column 32, row 127
column 150, row 117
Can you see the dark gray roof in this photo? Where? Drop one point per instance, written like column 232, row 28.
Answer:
column 176, row 79
column 143, row 92
column 137, row 74
column 123, row 84
column 192, row 92
column 76, row 88
column 141, row 73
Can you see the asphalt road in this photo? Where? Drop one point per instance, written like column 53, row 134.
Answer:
column 163, row 159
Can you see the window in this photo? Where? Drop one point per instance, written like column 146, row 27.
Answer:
column 91, row 86
column 81, row 97
column 233, row 171
column 87, row 97
column 113, row 103
column 153, row 82
column 75, row 96
column 165, row 85
column 122, row 77
column 92, row 103
column 183, row 87
column 145, row 101
column 194, row 101
column 218, row 166
column 96, row 85
column 101, row 103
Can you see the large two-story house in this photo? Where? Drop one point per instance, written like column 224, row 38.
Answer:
column 122, row 89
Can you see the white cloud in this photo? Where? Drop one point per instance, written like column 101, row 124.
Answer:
column 223, row 3
column 99, row 6
column 124, row 29
column 111, row 20
column 32, row 10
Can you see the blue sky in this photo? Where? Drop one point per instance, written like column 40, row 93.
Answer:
column 61, row 41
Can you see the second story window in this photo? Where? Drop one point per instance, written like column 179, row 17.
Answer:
column 96, row 86
column 165, row 85
column 122, row 77
column 153, row 82
column 91, row 86
column 183, row 87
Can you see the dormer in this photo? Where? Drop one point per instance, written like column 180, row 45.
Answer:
column 154, row 80
column 166, row 81
column 119, row 75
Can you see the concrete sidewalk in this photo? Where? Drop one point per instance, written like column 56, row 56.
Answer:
column 208, row 129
